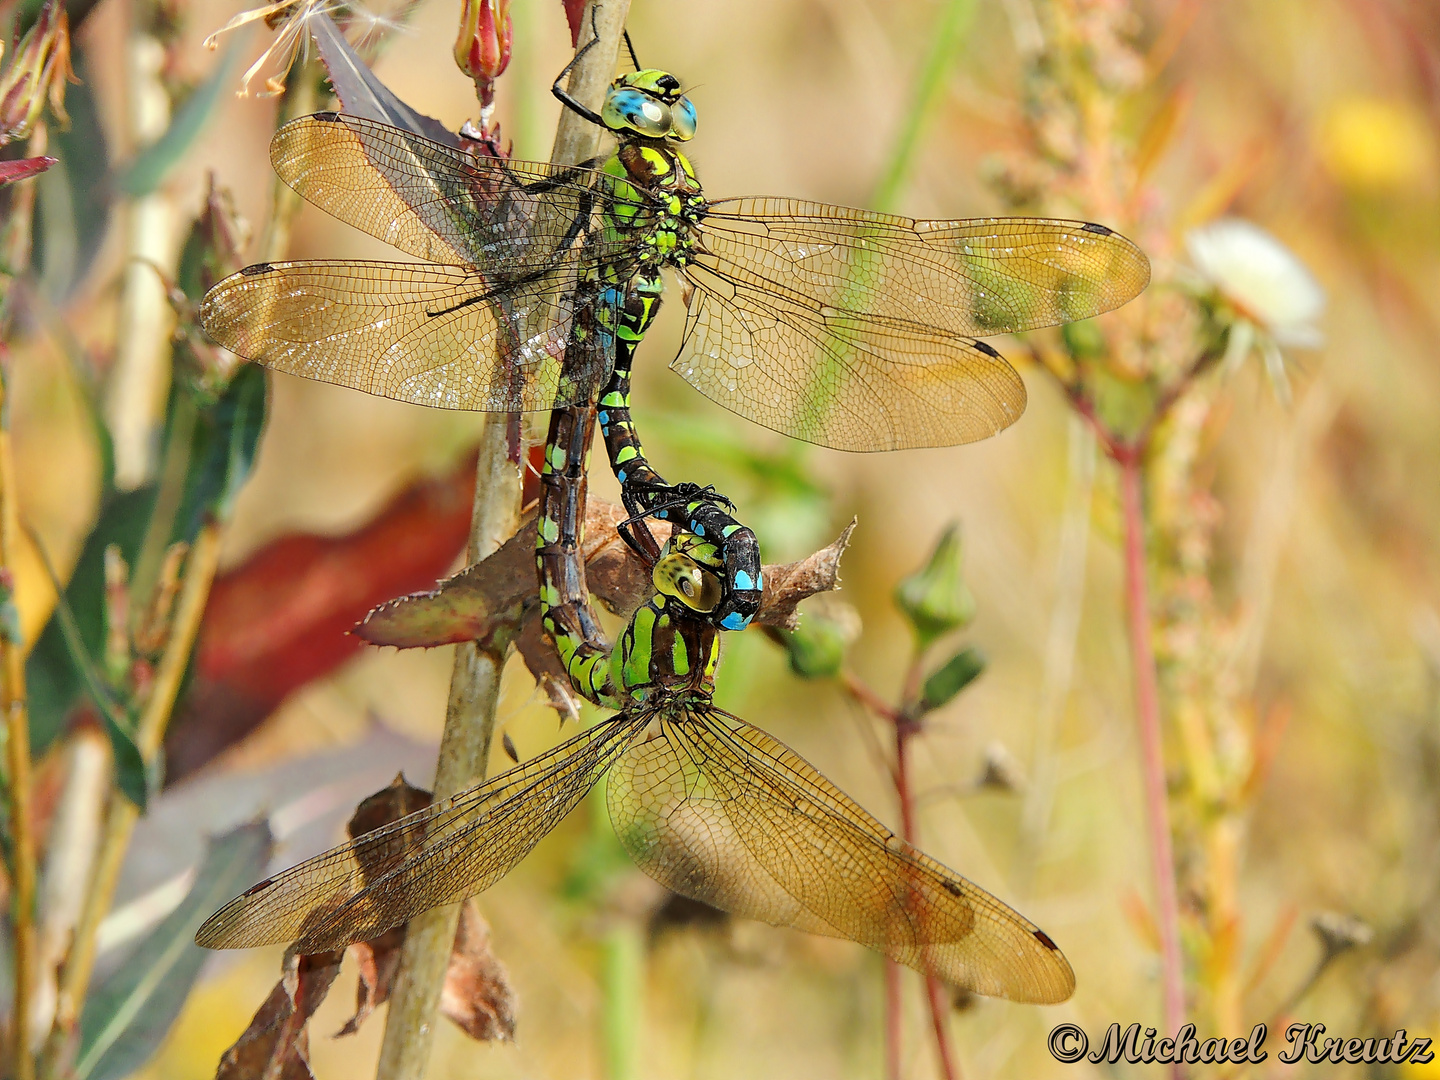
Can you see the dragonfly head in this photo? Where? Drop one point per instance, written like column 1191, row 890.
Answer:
column 649, row 103
column 686, row 571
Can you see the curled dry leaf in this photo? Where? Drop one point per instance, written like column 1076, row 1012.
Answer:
column 277, row 1042
column 497, row 599
column 786, row 585
column 477, row 994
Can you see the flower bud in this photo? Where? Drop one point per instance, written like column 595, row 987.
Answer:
column 817, row 647
column 482, row 48
column 37, row 73
column 935, row 599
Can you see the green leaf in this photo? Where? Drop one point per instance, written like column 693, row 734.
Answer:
column 951, row 677
column 223, row 450
column 128, row 1014
column 131, row 774
column 54, row 680
column 151, row 166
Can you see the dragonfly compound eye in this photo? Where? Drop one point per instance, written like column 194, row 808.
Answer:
column 682, row 578
column 682, row 120
column 627, row 109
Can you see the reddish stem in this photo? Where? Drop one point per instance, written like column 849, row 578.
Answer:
column 892, row 1020
column 905, row 728
column 1147, row 705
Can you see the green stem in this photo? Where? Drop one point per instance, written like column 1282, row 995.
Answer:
column 622, row 980
column 943, row 43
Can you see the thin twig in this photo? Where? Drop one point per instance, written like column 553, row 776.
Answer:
column 12, row 657
column 1152, row 754
column 903, row 721
column 17, row 732
column 1129, row 455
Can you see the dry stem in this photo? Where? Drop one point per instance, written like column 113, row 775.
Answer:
column 12, row 659
column 17, row 731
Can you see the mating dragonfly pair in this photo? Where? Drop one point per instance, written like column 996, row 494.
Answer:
column 841, row 327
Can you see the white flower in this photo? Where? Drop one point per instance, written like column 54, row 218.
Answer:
column 1276, row 300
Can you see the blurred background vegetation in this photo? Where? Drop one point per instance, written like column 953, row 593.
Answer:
column 1291, row 541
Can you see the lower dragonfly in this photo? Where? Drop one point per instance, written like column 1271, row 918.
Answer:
column 706, row 804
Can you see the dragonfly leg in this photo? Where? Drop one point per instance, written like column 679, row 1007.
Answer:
column 564, row 95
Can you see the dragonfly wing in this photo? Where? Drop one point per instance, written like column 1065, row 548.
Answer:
column 431, row 335
column 854, row 330
column 721, row 812
column 827, row 376
column 976, row 277
column 440, row 204
column 443, row 853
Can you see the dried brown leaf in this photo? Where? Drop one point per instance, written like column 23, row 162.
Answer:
column 477, row 994
column 277, row 1042
column 499, row 595
column 787, row 585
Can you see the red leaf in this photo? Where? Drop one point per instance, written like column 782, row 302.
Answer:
column 282, row 618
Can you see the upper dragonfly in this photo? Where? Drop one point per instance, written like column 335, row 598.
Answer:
column 838, row 326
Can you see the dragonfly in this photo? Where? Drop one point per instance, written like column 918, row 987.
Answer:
column 838, row 326
column 708, row 805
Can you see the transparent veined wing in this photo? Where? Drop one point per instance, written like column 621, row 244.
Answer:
column 443, row 853
column 837, row 379
column 442, row 336
column 855, row 330
column 719, row 811
column 506, row 218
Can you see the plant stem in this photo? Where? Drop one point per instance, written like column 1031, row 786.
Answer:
column 943, row 46
column 623, row 974
column 464, row 753
column 934, row 992
column 140, row 374
column 475, row 679
column 18, row 245
column 1152, row 756
column 122, row 814
column 17, row 745
column 894, row 1059
column 299, row 100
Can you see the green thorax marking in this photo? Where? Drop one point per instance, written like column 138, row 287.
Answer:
column 659, row 200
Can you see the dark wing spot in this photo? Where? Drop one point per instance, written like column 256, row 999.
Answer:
column 1090, row 226
column 257, row 268
column 987, row 350
column 951, row 888
column 1044, row 939
column 334, row 118
column 259, row 887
